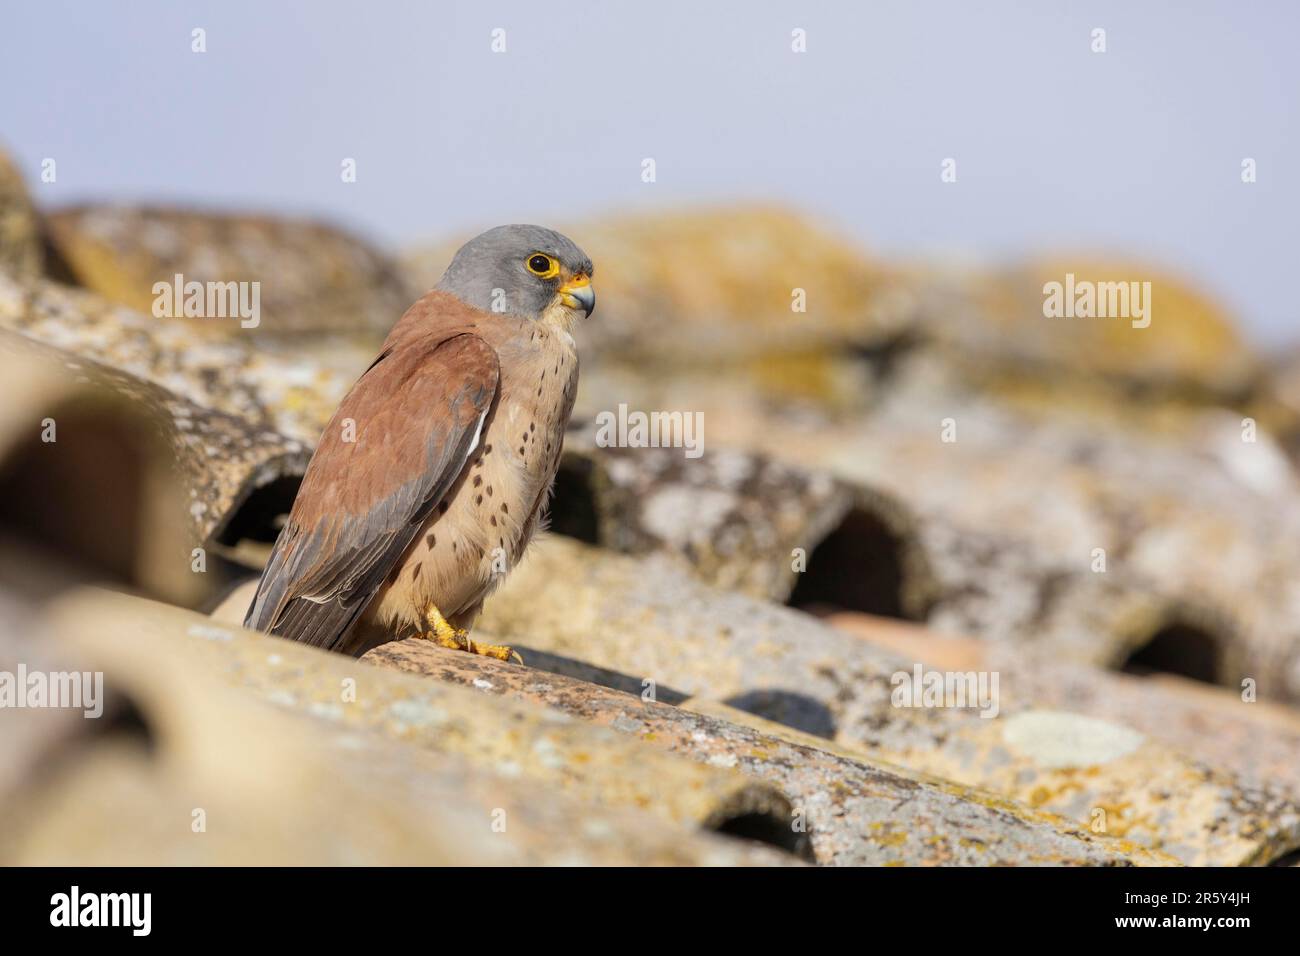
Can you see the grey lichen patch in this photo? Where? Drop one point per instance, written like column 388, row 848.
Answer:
column 1056, row 740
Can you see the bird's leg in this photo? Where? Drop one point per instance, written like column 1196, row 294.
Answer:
column 444, row 635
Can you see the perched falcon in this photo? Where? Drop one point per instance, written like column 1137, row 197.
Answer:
column 433, row 474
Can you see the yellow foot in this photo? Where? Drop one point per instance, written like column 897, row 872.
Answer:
column 444, row 635
column 500, row 651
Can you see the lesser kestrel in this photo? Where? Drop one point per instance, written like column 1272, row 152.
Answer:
column 432, row 476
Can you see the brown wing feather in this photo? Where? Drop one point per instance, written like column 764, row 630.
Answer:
column 418, row 412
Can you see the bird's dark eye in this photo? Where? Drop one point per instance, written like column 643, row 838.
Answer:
column 543, row 265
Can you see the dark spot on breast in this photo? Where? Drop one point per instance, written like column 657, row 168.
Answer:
column 489, row 491
column 478, row 480
column 532, row 426
column 521, row 451
column 415, row 572
column 494, row 521
column 478, row 499
column 487, row 451
column 430, row 540
column 505, row 508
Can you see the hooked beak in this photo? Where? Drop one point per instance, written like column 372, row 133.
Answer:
column 577, row 293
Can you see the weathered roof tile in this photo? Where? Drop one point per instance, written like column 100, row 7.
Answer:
column 312, row 278
column 290, row 389
column 855, row 811
column 648, row 619
column 548, row 751
column 20, row 238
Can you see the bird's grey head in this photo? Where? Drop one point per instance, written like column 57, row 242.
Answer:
column 522, row 270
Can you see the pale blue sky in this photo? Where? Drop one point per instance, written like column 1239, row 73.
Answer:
column 1137, row 149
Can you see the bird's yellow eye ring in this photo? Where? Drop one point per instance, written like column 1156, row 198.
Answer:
column 543, row 266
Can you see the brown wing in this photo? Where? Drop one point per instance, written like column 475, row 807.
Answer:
column 418, row 412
